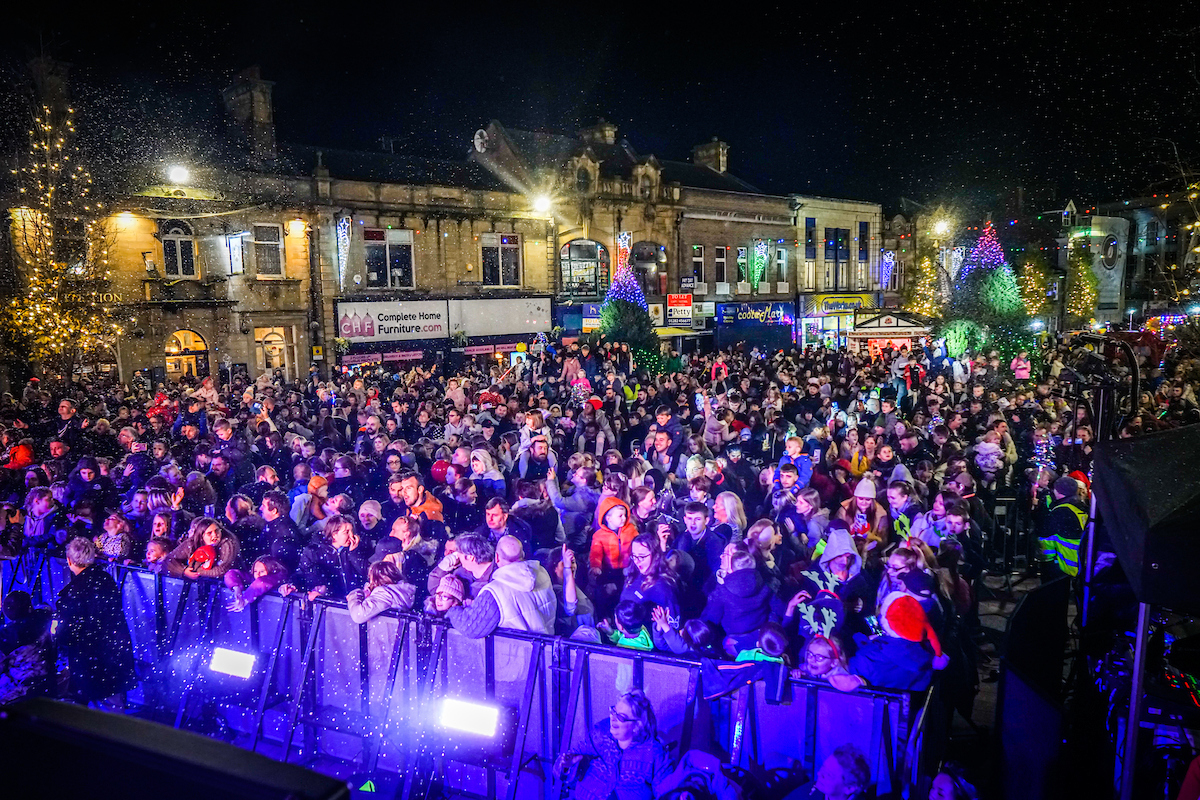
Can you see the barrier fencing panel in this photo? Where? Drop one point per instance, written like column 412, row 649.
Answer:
column 370, row 696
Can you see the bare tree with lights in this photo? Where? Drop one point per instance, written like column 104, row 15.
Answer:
column 62, row 243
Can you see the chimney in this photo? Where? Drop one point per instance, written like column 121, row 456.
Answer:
column 248, row 104
column 603, row 132
column 714, row 155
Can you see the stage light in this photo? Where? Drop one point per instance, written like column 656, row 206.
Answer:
column 231, row 662
column 460, row 715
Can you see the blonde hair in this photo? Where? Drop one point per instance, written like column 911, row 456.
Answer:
column 733, row 509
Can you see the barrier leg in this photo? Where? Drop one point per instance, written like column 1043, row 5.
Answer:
column 810, row 730
column 298, row 698
column 418, row 776
column 265, row 694
column 206, row 644
column 388, row 690
column 514, row 769
column 579, row 676
column 739, row 726
column 689, row 711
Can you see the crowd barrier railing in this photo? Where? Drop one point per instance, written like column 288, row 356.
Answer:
column 300, row 681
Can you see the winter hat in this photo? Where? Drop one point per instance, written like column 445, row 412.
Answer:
column 904, row 618
column 204, row 557
column 1081, row 478
column 901, row 473
column 844, row 464
column 865, row 488
column 373, row 506
column 595, row 402
column 451, row 587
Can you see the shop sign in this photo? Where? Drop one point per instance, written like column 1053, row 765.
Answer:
column 705, row 308
column 479, row 350
column 748, row 314
column 367, row 358
column 403, row 355
column 318, row 353
column 591, row 317
column 679, row 310
column 396, row 320
column 841, row 303
column 688, row 283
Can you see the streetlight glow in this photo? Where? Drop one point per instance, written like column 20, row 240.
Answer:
column 178, row 174
column 941, row 227
column 541, row 204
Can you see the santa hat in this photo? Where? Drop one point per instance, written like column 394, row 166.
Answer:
column 1079, row 476
column 865, row 488
column 595, row 402
column 904, row 618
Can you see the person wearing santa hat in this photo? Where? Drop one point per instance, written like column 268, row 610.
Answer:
column 904, row 657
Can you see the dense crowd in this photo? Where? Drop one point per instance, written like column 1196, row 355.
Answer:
column 824, row 511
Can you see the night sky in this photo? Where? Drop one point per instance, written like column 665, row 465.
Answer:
column 937, row 103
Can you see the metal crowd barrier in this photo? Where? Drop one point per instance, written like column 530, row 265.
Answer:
column 362, row 701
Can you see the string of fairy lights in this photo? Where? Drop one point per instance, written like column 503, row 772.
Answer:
column 57, row 312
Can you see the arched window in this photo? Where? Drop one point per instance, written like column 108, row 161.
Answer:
column 179, row 249
column 583, row 180
column 584, row 267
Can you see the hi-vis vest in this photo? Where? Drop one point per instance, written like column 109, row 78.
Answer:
column 1064, row 551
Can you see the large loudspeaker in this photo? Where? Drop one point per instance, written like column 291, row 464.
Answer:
column 54, row 749
column 1148, row 493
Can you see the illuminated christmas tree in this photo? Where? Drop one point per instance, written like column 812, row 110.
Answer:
column 1034, row 282
column 986, row 308
column 61, row 242
column 1082, row 286
column 625, row 315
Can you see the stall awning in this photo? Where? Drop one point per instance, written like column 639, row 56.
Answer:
column 667, row 333
column 888, row 333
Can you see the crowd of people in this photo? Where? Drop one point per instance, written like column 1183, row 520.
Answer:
column 824, row 511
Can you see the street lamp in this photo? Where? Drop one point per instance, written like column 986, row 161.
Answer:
column 941, row 227
column 541, row 204
column 178, row 174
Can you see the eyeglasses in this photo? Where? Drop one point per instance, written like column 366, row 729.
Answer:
column 618, row 716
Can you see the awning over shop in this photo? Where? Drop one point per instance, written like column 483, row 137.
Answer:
column 667, row 333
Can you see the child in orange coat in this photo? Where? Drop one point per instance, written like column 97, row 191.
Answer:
column 612, row 541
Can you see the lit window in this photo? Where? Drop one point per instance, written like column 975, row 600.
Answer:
column 501, row 259
column 719, row 259
column 179, row 250
column 389, row 257
column 698, row 263
column 268, row 250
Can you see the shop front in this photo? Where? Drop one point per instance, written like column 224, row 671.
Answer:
column 769, row 326
column 827, row 319
column 875, row 331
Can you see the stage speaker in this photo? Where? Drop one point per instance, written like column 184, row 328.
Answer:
column 55, row 749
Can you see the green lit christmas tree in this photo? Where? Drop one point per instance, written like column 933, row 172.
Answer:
column 986, row 308
column 625, row 317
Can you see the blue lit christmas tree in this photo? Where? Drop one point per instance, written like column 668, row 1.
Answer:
column 985, row 307
column 625, row 316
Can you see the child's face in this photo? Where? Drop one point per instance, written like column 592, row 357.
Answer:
column 259, row 570
column 793, row 448
column 615, row 518
column 155, row 552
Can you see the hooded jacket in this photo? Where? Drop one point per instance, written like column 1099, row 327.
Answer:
column 525, row 595
column 610, row 549
column 363, row 606
column 741, row 604
column 838, row 543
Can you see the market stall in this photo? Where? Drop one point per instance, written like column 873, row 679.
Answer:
column 878, row 329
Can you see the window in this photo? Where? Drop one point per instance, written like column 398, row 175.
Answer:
column 719, row 258
column 275, row 349
column 235, row 243
column 1152, row 235
column 741, row 265
column 501, row 259
column 70, row 244
column 864, row 240
column 698, row 263
column 810, row 276
column 583, row 180
column 831, row 244
column 179, row 250
column 781, row 264
column 810, row 238
column 389, row 259
column 843, row 245
column 268, row 250
column 584, row 265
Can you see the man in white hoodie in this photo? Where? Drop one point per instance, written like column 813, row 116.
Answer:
column 519, row 596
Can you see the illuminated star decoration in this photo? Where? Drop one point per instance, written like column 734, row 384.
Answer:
column 887, row 264
column 625, row 284
column 343, row 246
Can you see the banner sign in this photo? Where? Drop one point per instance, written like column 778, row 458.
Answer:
column 679, row 310
column 479, row 350
column 591, row 317
column 748, row 314
column 687, row 282
column 394, row 320
column 842, row 303
column 404, row 355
